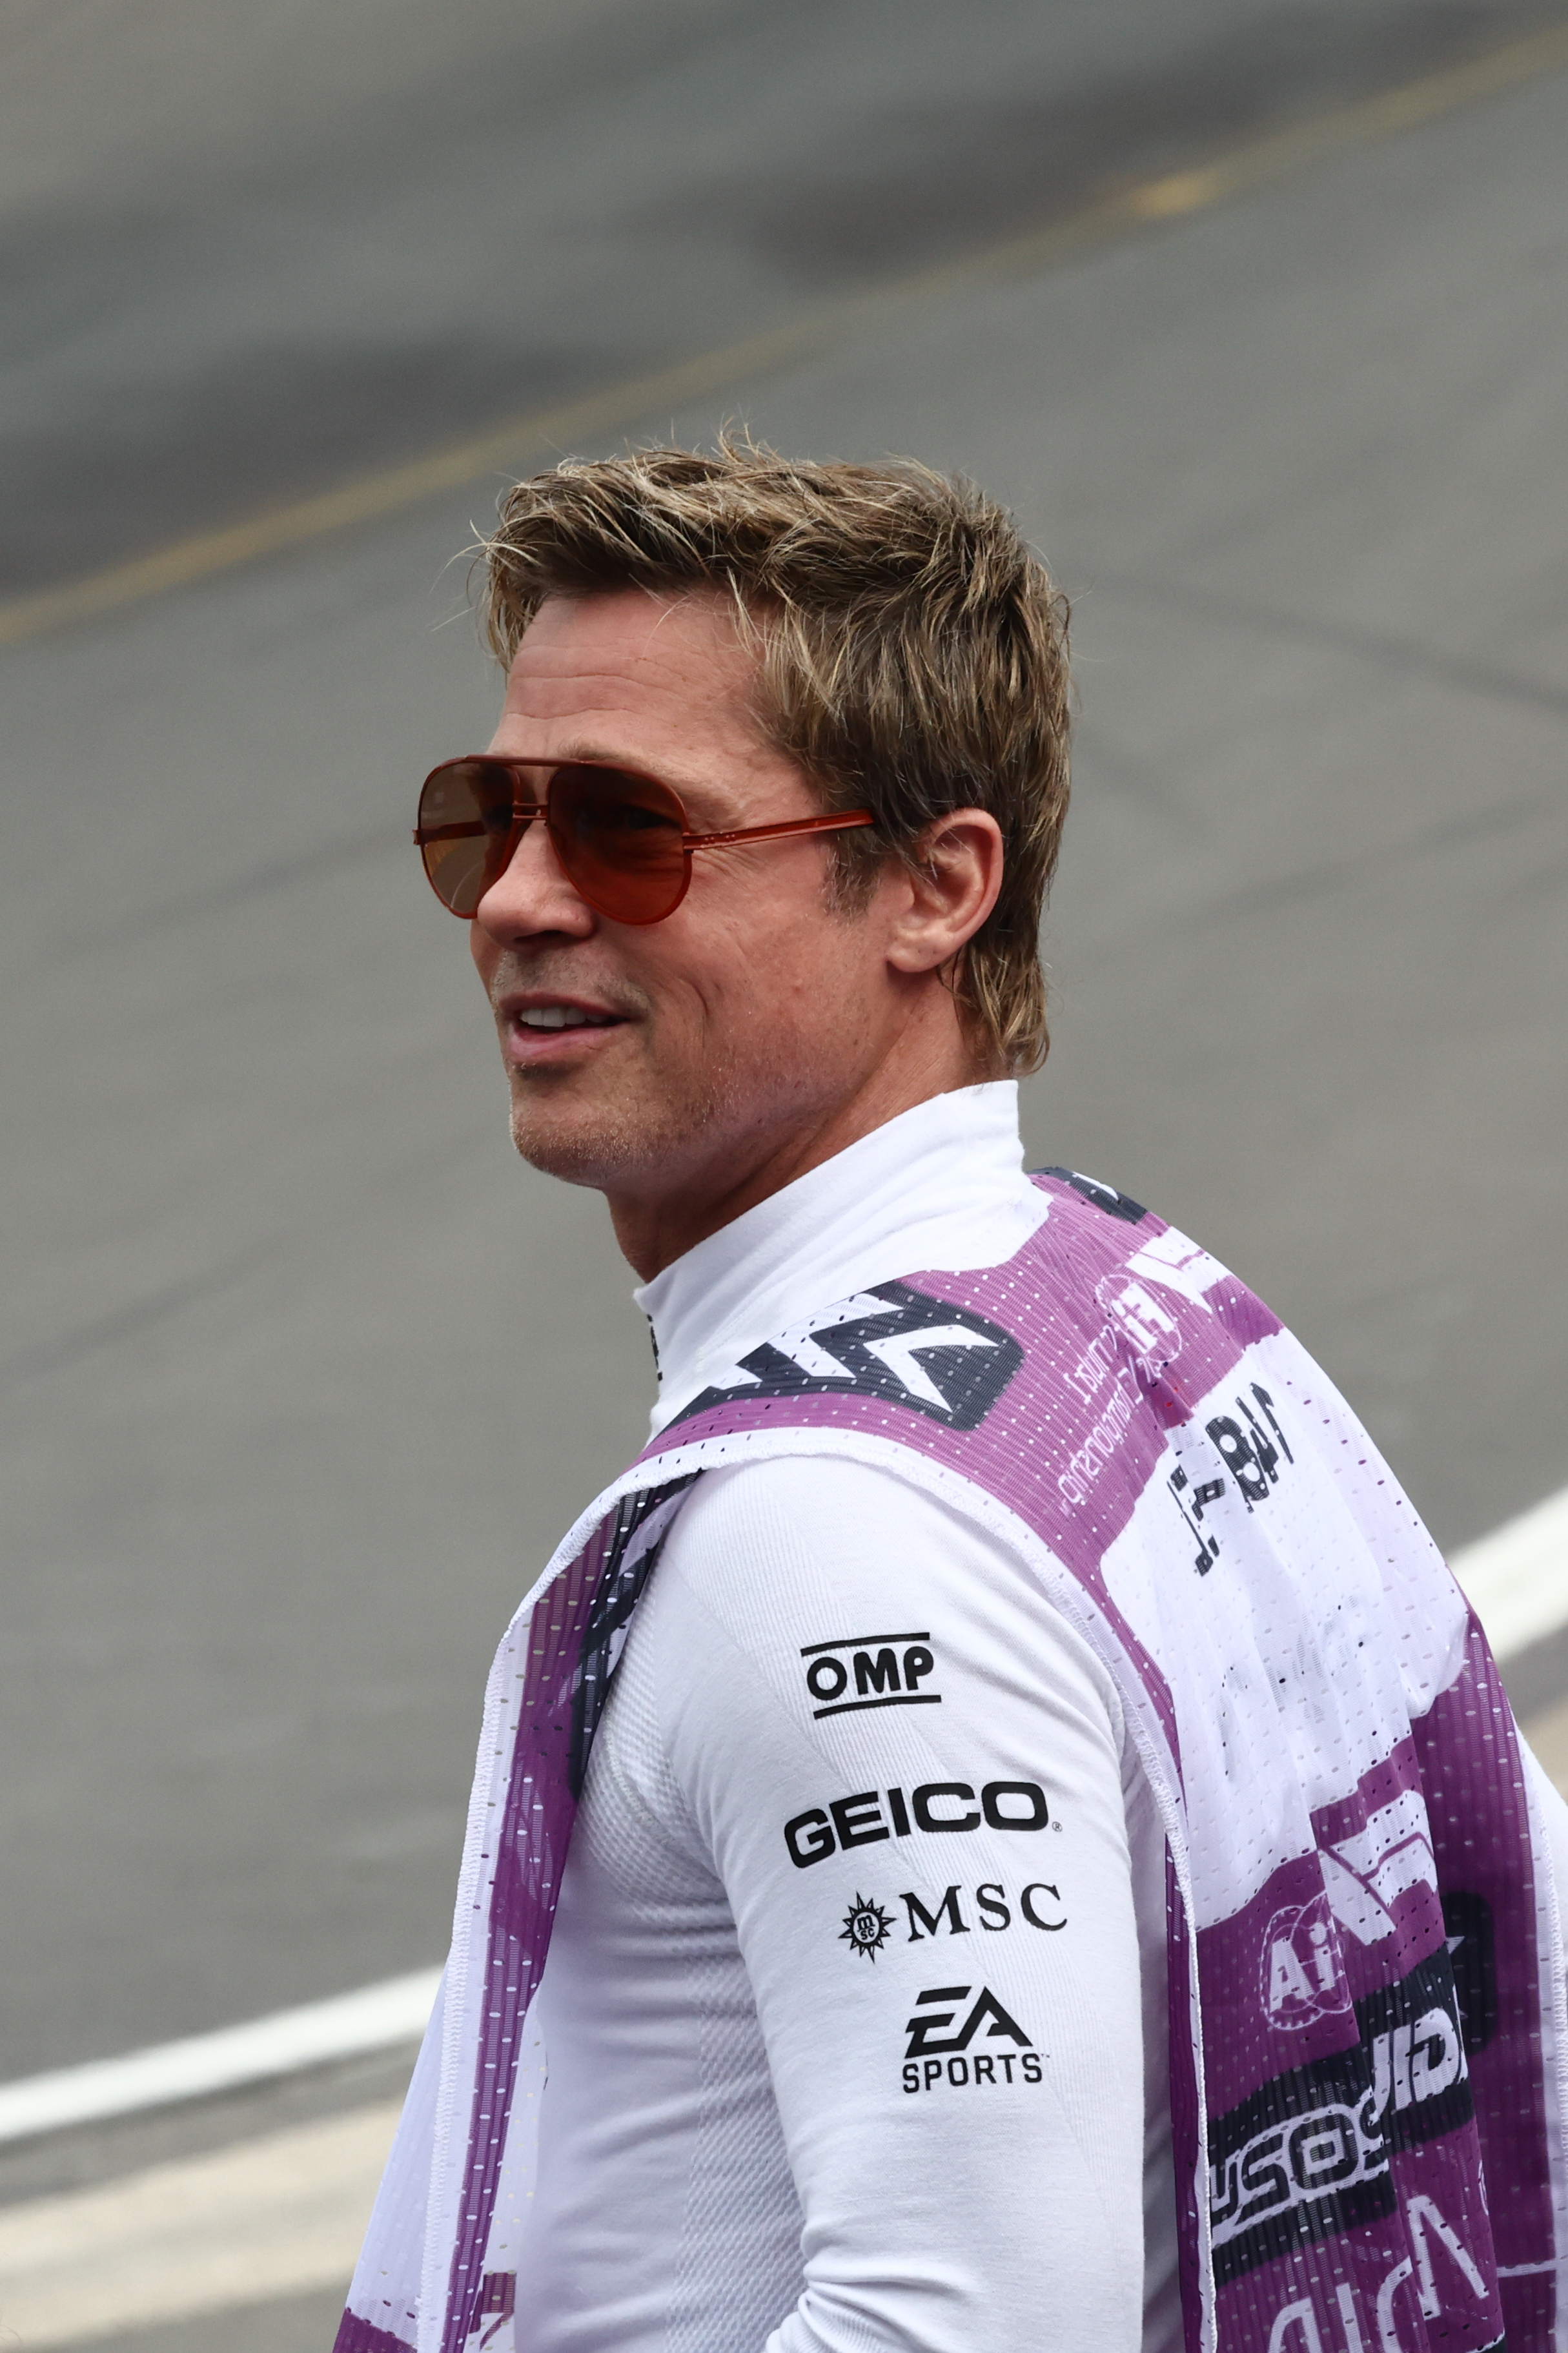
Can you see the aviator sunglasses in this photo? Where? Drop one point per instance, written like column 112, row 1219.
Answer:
column 622, row 838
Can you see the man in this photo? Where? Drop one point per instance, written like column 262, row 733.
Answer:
column 999, row 1831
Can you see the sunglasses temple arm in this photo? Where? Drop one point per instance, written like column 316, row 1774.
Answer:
column 839, row 824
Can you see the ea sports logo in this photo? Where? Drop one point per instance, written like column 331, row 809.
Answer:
column 1302, row 1978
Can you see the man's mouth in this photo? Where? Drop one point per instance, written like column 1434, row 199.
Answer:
column 565, row 1017
column 542, row 1030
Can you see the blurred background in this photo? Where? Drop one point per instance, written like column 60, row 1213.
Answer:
column 1253, row 310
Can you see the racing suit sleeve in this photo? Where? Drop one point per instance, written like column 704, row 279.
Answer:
column 912, row 1778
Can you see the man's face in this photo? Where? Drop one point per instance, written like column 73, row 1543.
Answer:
column 705, row 1054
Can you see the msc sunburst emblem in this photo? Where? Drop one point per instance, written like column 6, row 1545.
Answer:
column 866, row 1926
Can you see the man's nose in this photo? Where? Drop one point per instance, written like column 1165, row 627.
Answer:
column 533, row 895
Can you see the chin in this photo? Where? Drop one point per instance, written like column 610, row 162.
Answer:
column 650, row 1138
column 605, row 1146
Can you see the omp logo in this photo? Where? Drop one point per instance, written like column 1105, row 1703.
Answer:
column 947, row 2019
column 1302, row 1977
column 860, row 1671
column 1367, row 1871
column 1309, row 2154
column 891, row 1343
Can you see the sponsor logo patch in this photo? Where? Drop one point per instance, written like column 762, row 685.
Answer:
column 961, row 2035
column 957, row 1912
column 865, row 1927
column 859, row 1671
column 935, row 1808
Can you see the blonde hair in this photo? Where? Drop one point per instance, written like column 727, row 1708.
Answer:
column 912, row 656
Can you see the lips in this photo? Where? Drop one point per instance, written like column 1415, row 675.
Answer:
column 565, row 1016
column 540, row 1029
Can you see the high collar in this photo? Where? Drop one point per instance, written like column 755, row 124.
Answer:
column 941, row 1185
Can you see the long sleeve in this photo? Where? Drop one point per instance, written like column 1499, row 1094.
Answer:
column 906, row 1780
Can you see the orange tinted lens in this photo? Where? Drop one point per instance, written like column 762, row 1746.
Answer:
column 465, row 823
column 619, row 839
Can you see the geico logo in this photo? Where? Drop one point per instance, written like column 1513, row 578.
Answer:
column 1036, row 1903
column 935, row 1806
column 881, row 1669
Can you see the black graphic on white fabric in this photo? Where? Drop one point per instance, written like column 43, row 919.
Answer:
column 1191, row 1502
column 938, row 1359
column 1250, row 1457
column 862, row 1670
column 865, row 1927
column 1104, row 1196
column 935, row 1808
column 1249, row 1454
column 1307, row 2155
column 937, row 2010
column 993, row 1907
column 642, row 1522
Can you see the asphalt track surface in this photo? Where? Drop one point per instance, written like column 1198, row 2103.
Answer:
column 304, row 1374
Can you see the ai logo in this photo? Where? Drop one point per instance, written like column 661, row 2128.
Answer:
column 1302, row 1978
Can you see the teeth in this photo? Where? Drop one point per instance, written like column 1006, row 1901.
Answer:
column 563, row 1017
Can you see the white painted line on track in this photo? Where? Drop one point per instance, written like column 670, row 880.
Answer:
column 1517, row 1578
column 279, row 2216
column 375, row 2018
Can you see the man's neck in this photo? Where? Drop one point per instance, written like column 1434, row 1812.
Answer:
column 656, row 1228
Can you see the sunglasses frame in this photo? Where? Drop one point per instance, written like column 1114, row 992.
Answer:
column 526, row 813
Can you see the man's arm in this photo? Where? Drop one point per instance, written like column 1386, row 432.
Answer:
column 909, row 1774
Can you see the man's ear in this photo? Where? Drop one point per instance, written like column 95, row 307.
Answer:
column 947, row 890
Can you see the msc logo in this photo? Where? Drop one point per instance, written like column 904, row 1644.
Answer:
column 878, row 1670
column 939, row 2044
column 892, row 1342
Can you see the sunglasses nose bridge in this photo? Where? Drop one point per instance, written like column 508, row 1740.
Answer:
column 525, row 883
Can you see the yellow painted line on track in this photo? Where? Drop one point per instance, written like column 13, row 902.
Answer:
column 509, row 445
column 277, row 2216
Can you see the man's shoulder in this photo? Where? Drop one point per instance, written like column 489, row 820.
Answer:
column 849, row 1583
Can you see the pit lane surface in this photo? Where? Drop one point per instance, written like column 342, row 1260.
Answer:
column 304, row 1375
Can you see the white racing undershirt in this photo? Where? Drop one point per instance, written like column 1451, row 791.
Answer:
column 854, row 2009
